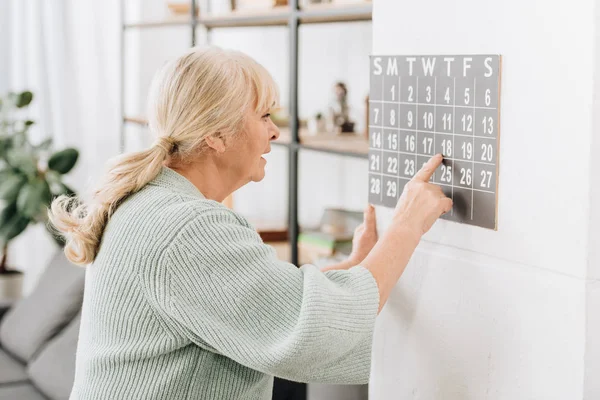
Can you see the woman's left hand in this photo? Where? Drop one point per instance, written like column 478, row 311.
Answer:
column 365, row 237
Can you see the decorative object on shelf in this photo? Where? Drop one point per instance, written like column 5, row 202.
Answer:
column 339, row 116
column 181, row 8
column 308, row 2
column 238, row 5
column 316, row 124
column 30, row 178
column 334, row 235
column 339, row 221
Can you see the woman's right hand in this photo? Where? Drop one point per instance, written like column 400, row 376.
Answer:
column 421, row 202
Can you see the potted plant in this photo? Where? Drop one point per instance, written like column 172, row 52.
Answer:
column 31, row 176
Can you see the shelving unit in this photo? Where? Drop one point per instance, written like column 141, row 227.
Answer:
column 293, row 137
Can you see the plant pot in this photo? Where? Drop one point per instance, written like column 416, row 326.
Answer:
column 11, row 285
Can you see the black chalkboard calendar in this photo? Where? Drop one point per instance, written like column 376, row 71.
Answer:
column 423, row 105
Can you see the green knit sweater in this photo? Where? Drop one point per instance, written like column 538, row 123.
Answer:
column 184, row 301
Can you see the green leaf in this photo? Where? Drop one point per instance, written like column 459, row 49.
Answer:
column 7, row 210
column 13, row 227
column 10, row 186
column 23, row 161
column 5, row 145
column 33, row 198
column 24, row 99
column 29, row 122
column 63, row 161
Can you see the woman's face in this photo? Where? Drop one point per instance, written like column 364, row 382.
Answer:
column 253, row 143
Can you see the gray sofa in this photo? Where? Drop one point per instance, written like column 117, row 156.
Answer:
column 38, row 336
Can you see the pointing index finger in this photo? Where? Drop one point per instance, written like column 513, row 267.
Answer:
column 429, row 168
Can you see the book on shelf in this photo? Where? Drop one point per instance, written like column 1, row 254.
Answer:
column 316, row 244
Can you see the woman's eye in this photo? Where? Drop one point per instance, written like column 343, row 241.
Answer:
column 266, row 115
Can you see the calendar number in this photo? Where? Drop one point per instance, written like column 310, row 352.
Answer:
column 465, row 176
column 409, row 117
column 410, row 94
column 447, row 119
column 467, row 123
column 409, row 167
column 393, row 90
column 392, row 167
column 486, row 179
column 446, row 173
column 467, row 95
column 393, row 117
column 376, row 138
column 427, row 143
column 375, row 186
column 376, row 111
column 374, row 162
column 393, row 142
column 410, row 143
column 391, row 189
column 428, row 96
column 447, row 147
column 487, row 152
column 428, row 120
column 467, row 150
column 488, row 125
column 488, row 97
column 447, row 96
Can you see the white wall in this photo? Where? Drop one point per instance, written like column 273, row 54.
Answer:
column 481, row 314
column 4, row 46
column 592, row 356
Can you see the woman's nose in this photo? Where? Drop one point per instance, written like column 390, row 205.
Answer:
column 274, row 131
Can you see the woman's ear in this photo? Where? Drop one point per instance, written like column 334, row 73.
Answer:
column 216, row 143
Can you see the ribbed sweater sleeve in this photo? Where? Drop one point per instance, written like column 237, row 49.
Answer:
column 227, row 291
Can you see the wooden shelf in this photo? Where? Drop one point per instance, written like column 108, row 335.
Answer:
column 277, row 16
column 352, row 144
column 183, row 20
column 335, row 12
column 136, row 120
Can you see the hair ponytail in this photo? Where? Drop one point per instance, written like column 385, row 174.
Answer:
column 205, row 92
column 82, row 225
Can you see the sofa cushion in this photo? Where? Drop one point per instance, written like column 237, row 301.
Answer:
column 20, row 392
column 55, row 300
column 52, row 371
column 11, row 370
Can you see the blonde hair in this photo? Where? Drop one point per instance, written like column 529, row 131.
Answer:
column 205, row 92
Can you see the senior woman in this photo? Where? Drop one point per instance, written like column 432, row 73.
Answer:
column 182, row 298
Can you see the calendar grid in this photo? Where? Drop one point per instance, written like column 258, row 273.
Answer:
column 398, row 146
column 416, row 125
column 460, row 121
column 434, row 118
column 406, row 178
column 422, row 131
column 429, row 155
column 381, row 145
column 473, row 141
column 453, row 137
column 428, row 104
